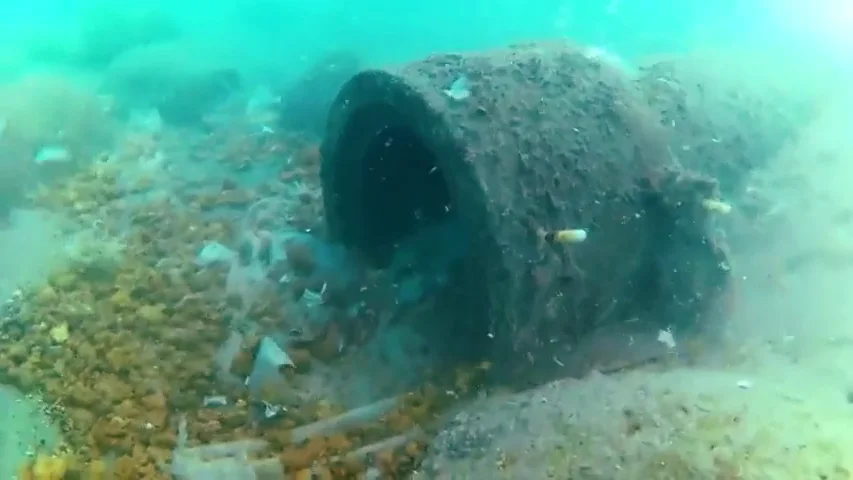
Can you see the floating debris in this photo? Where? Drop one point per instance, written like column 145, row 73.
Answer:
column 459, row 90
column 744, row 384
column 665, row 337
column 52, row 154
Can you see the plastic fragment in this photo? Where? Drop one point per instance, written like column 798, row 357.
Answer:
column 215, row 401
column 52, row 154
column 213, row 253
column 348, row 420
column 269, row 360
column 665, row 337
column 459, row 90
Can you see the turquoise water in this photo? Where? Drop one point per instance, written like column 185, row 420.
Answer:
column 273, row 34
column 26, row 431
column 260, row 173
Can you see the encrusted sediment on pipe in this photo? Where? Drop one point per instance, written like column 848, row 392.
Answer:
column 545, row 139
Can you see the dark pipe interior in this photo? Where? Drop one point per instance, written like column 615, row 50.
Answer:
column 394, row 190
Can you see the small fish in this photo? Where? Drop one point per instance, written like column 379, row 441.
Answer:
column 716, row 206
column 567, row 237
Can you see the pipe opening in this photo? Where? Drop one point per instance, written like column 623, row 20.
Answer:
column 393, row 191
column 391, row 204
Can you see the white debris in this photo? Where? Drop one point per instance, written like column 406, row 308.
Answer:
column 215, row 401
column 213, row 253
column 744, row 384
column 665, row 337
column 459, row 90
column 52, row 154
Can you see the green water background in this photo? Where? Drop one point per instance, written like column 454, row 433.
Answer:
column 287, row 34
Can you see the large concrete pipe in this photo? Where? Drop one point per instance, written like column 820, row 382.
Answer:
column 511, row 147
column 724, row 122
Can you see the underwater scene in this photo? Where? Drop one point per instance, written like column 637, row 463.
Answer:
column 503, row 239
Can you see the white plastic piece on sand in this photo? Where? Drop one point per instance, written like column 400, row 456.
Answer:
column 665, row 337
column 273, row 354
column 268, row 363
column 744, row 384
column 272, row 411
column 213, row 253
column 215, row 401
column 52, row 154
column 459, row 90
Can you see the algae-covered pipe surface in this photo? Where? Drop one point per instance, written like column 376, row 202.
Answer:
column 511, row 146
